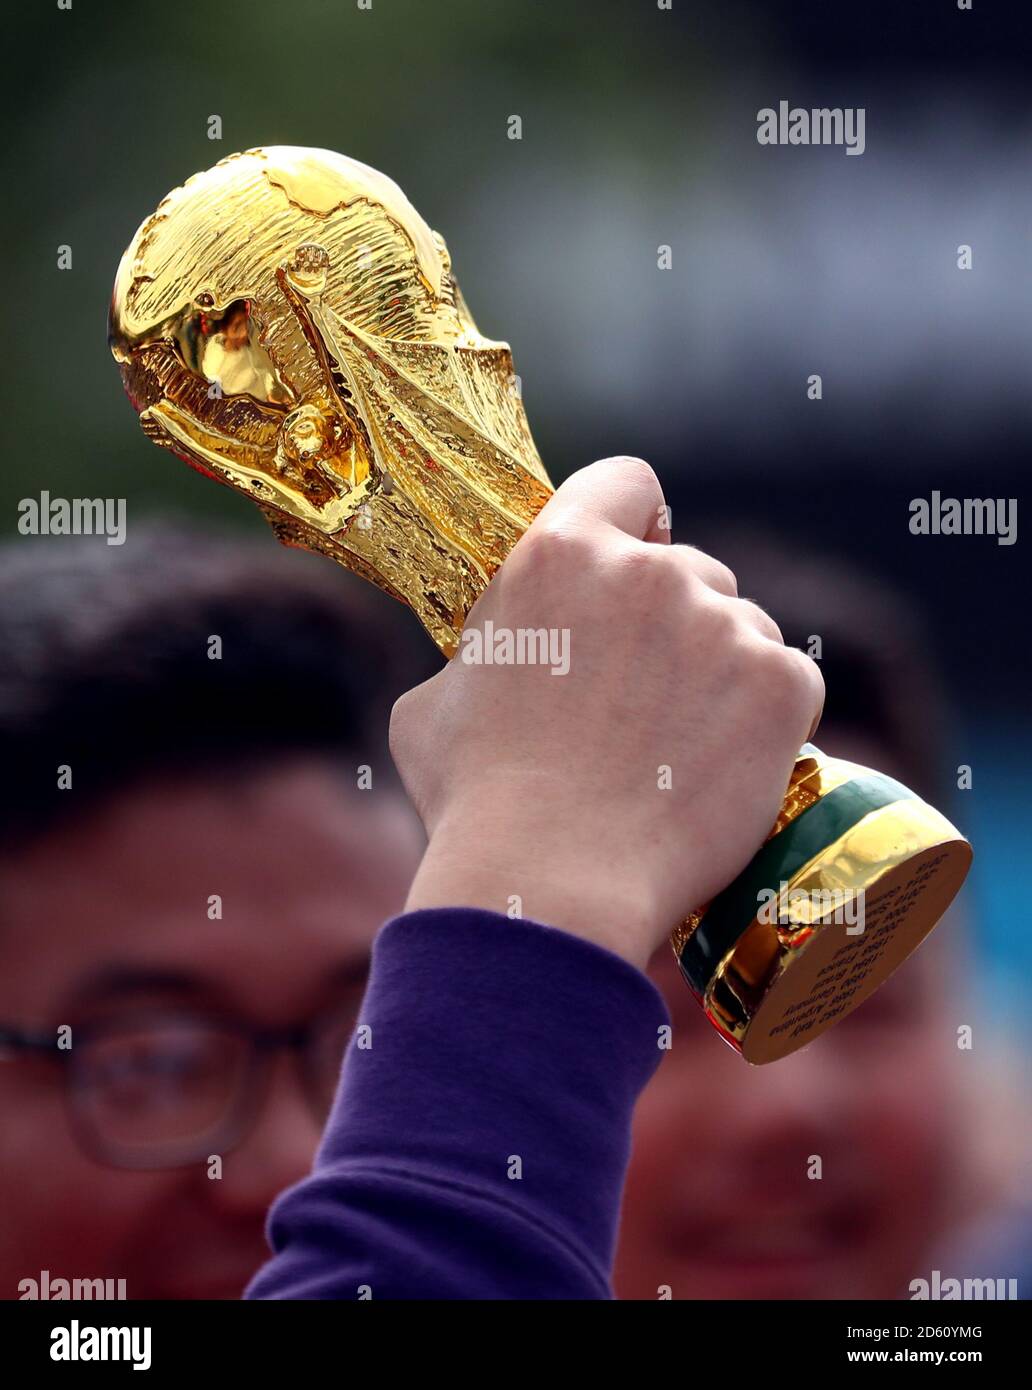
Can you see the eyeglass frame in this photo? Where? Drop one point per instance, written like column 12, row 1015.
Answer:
column 243, row 1109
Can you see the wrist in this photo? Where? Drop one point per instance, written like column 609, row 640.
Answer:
column 474, row 860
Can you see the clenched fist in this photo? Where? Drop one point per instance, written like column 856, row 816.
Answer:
column 611, row 743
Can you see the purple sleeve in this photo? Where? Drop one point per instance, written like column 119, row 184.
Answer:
column 477, row 1148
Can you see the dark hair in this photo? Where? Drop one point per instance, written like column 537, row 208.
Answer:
column 105, row 667
column 104, row 660
column 880, row 678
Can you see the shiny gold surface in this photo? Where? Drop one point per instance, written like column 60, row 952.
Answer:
column 813, row 776
column 784, row 983
column 287, row 323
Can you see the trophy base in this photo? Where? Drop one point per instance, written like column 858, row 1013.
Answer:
column 855, row 874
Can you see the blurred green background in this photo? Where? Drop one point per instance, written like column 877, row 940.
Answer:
column 115, row 103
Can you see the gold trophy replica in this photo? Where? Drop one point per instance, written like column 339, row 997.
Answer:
column 288, row 324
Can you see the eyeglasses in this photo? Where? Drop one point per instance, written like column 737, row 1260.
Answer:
column 167, row 1089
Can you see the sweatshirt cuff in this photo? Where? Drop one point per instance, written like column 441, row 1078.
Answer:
column 505, row 1055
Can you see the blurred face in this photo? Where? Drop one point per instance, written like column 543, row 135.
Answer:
column 719, row 1204
column 108, row 927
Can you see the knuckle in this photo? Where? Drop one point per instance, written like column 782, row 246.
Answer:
column 791, row 681
column 725, row 576
column 807, row 669
column 761, row 620
column 814, row 676
column 638, row 564
column 712, row 571
column 712, row 618
column 556, row 542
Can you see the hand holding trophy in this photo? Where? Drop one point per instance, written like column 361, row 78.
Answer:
column 288, row 324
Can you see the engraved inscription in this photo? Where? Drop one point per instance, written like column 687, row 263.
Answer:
column 839, row 981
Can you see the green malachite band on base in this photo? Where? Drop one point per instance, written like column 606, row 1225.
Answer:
column 780, row 859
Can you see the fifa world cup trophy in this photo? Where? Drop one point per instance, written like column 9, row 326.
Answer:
column 289, row 325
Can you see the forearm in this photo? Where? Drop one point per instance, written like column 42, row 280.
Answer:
column 479, row 1140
